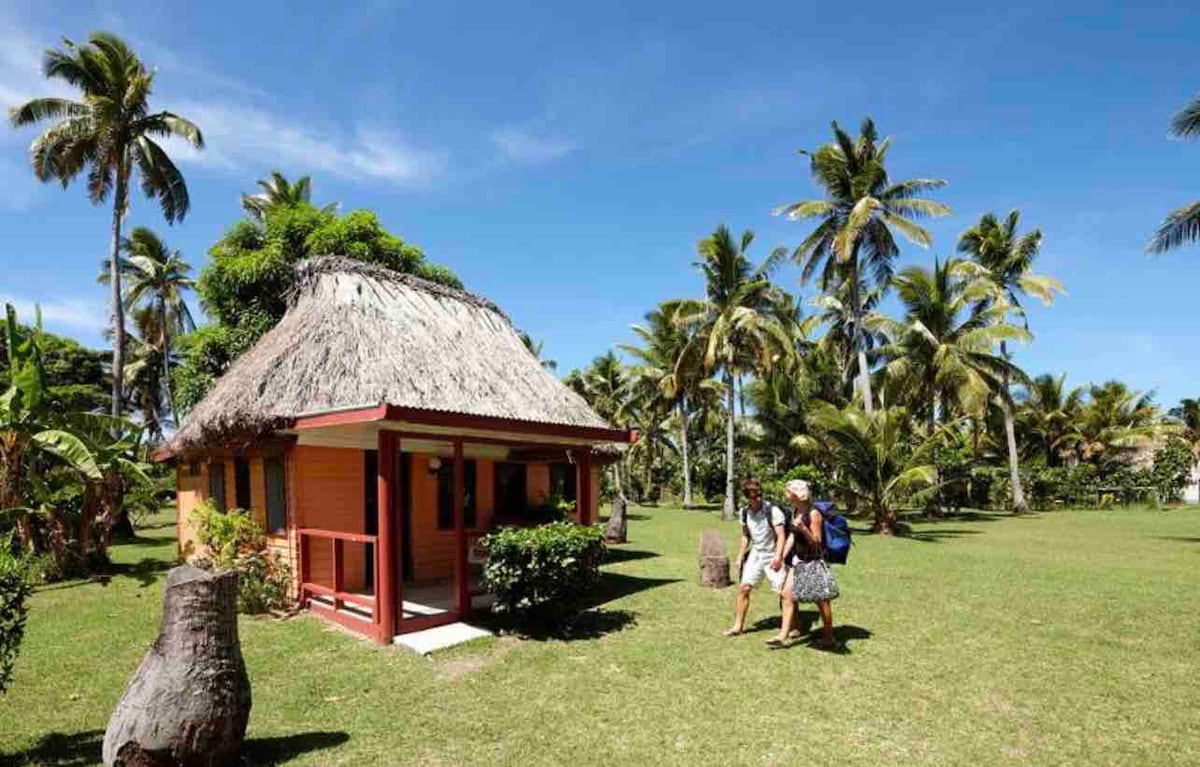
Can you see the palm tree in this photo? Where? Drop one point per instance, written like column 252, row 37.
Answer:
column 877, row 456
column 1115, row 421
column 1050, row 414
column 145, row 372
column 604, row 385
column 734, row 324
column 1008, row 258
column 861, row 211
column 535, row 348
column 1182, row 225
column 278, row 192
column 942, row 351
column 110, row 132
column 156, row 278
column 1188, row 416
column 670, row 368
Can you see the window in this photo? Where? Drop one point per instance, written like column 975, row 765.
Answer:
column 562, row 481
column 216, row 484
column 509, row 489
column 446, row 495
column 241, row 483
column 276, row 494
column 193, row 469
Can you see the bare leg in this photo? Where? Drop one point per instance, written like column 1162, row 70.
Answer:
column 743, row 607
column 787, row 612
column 826, row 623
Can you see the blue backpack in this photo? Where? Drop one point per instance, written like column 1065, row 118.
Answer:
column 836, row 531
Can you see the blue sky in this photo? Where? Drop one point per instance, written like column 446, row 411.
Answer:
column 564, row 161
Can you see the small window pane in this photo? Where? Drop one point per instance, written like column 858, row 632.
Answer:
column 216, row 484
column 276, row 494
column 241, row 483
column 446, row 495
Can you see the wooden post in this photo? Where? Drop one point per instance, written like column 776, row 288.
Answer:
column 339, row 584
column 386, row 481
column 583, row 492
column 305, row 565
column 461, row 574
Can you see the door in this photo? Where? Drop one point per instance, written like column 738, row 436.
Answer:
column 405, row 495
column 371, row 513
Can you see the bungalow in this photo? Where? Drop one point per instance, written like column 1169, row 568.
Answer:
column 381, row 428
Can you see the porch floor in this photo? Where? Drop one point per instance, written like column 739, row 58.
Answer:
column 439, row 638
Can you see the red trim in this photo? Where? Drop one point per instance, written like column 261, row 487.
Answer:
column 409, row 625
column 341, row 417
column 363, row 600
column 355, row 623
column 583, row 499
column 459, row 420
column 461, row 574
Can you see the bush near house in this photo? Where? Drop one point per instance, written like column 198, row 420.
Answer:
column 541, row 576
column 235, row 541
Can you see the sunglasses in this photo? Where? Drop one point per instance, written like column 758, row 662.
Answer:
column 754, row 494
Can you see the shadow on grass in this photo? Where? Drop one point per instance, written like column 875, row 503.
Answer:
column 936, row 535
column 262, row 751
column 146, row 570
column 616, row 554
column 617, row 585
column 73, row 750
column 84, row 748
column 1178, row 538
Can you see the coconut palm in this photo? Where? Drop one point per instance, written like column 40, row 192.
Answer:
column 278, row 192
column 535, row 348
column 1182, row 225
column 734, row 325
column 604, row 385
column 145, row 372
column 1115, row 421
column 1008, row 258
column 943, row 350
column 1188, row 416
column 878, row 456
column 156, row 279
column 859, row 216
column 670, row 368
column 111, row 132
column 1049, row 414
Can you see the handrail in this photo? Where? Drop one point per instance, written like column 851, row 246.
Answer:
column 314, row 532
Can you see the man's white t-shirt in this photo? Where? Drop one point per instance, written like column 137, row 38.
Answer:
column 761, row 525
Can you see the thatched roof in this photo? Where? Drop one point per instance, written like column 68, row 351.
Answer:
column 355, row 335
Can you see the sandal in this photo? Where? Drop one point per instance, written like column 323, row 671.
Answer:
column 732, row 632
column 775, row 643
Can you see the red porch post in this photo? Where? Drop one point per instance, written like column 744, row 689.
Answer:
column 583, row 493
column 461, row 574
column 385, row 555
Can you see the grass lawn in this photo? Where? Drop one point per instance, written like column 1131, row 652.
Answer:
column 1064, row 638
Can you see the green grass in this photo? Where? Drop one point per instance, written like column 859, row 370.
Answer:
column 1065, row 638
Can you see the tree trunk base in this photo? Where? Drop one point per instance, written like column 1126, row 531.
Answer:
column 189, row 701
column 617, row 529
column 714, row 562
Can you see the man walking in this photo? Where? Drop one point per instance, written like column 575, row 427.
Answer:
column 761, row 552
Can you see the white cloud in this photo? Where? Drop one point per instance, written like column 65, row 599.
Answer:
column 86, row 318
column 522, row 147
column 245, row 138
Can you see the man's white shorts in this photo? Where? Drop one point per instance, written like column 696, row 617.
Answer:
column 757, row 565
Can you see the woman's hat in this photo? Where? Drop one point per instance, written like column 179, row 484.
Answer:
column 798, row 489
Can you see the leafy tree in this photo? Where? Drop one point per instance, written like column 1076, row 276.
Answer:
column 1187, row 414
column 75, row 377
column 245, row 284
column 1182, row 225
column 110, row 131
column 878, row 456
column 277, row 192
column 734, row 324
column 604, row 385
column 1008, row 258
column 1114, row 421
column 859, row 214
column 156, row 279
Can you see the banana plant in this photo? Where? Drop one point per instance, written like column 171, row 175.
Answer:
column 29, row 432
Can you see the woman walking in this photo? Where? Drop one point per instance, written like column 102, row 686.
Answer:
column 809, row 578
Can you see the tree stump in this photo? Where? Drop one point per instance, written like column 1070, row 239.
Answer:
column 617, row 529
column 189, row 702
column 714, row 562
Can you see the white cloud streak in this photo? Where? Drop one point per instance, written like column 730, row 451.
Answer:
column 85, row 316
column 525, row 148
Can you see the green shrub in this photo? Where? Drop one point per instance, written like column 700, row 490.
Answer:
column 14, row 589
column 1172, row 469
column 541, row 576
column 235, row 541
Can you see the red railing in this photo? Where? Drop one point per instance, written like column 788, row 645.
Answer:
column 337, row 593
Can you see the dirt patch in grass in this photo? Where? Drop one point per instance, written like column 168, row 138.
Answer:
column 459, row 666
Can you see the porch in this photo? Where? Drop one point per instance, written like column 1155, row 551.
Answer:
column 402, row 553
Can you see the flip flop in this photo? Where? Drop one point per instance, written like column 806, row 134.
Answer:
column 775, row 643
column 732, row 632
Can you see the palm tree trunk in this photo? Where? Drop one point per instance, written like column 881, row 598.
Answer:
column 166, row 361
column 727, row 511
column 864, row 374
column 1010, row 435
column 687, row 467
column 114, row 273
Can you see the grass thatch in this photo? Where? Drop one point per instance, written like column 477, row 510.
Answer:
column 356, row 335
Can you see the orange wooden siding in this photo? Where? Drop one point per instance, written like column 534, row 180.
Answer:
column 189, row 492
column 433, row 549
column 328, row 485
